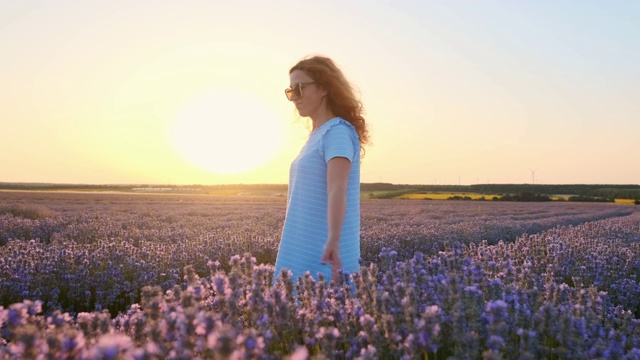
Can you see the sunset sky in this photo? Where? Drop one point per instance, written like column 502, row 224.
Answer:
column 191, row 92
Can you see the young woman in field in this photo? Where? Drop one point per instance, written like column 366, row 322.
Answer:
column 321, row 232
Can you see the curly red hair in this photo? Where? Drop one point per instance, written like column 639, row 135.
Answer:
column 340, row 94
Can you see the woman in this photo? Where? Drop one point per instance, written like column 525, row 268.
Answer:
column 321, row 232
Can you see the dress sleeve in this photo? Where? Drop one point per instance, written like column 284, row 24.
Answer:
column 340, row 141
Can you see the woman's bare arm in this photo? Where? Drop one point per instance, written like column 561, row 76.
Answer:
column 337, row 178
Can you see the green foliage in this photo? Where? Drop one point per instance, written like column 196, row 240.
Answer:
column 516, row 191
column 615, row 193
column 458, row 197
column 607, row 191
column 525, row 196
column 585, row 198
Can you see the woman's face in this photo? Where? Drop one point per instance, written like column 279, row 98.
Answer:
column 312, row 100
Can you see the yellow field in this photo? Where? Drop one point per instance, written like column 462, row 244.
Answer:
column 624, row 201
column 444, row 196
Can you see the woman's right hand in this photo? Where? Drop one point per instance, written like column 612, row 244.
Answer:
column 331, row 255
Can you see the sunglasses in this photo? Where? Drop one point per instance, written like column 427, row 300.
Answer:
column 295, row 91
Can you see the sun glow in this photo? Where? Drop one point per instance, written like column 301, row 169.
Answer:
column 227, row 132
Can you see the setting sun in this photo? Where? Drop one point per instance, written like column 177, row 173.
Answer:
column 227, row 131
column 170, row 93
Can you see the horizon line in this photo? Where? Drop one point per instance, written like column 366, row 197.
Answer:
column 2, row 183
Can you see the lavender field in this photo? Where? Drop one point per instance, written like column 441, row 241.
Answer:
column 119, row 276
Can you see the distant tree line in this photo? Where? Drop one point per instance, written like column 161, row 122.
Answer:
column 531, row 197
column 507, row 192
column 615, row 193
column 585, row 198
column 524, row 196
column 595, row 191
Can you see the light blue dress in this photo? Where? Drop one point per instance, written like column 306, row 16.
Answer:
column 306, row 227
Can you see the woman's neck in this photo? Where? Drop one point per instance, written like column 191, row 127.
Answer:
column 318, row 119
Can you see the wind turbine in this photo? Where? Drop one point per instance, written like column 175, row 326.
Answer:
column 533, row 176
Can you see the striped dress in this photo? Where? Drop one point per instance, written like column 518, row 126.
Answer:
column 305, row 228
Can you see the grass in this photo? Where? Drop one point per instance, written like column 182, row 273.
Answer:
column 385, row 194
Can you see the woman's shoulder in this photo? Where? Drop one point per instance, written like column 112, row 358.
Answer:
column 338, row 138
column 336, row 123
